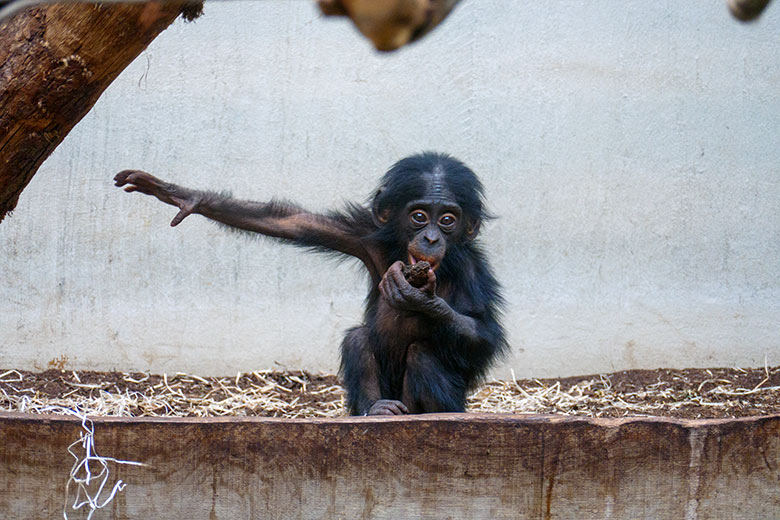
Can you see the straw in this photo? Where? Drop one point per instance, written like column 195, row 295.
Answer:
column 719, row 392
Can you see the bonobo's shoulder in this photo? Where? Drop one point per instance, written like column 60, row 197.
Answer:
column 354, row 218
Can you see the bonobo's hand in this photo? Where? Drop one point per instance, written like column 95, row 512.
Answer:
column 387, row 407
column 185, row 199
column 403, row 296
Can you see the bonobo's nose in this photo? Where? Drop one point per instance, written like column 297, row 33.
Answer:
column 432, row 238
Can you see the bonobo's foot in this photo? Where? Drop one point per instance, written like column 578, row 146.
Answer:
column 387, row 407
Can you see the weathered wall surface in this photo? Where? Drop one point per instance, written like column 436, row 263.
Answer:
column 632, row 154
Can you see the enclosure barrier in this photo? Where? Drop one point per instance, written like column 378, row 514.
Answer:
column 427, row 466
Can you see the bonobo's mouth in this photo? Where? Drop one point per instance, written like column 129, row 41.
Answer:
column 414, row 259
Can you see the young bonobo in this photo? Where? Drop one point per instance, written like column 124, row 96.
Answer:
column 419, row 349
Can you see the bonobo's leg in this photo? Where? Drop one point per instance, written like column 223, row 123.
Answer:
column 428, row 385
column 360, row 373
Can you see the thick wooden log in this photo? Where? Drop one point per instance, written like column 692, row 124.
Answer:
column 55, row 61
column 391, row 24
column 426, row 466
column 747, row 10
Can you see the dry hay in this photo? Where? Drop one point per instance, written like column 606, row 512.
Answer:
column 689, row 393
column 261, row 393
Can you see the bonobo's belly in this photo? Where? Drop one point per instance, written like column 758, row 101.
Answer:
column 400, row 328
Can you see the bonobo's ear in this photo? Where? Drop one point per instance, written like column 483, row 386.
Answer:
column 380, row 217
column 472, row 229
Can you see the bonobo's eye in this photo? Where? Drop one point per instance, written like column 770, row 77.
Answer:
column 448, row 221
column 418, row 217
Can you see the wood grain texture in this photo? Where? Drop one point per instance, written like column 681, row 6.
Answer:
column 55, row 61
column 430, row 466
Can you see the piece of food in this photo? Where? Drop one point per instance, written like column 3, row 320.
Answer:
column 417, row 274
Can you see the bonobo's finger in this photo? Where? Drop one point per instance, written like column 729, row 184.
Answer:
column 391, row 279
column 430, row 285
column 142, row 179
column 406, row 292
column 396, row 297
column 390, row 293
column 388, row 407
column 141, row 188
column 396, row 266
column 396, row 274
column 391, row 298
column 126, row 176
column 181, row 215
column 384, row 289
column 401, row 406
column 131, row 183
column 121, row 178
column 397, row 407
column 402, row 285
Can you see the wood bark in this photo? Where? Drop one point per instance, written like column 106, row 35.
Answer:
column 747, row 10
column 55, row 61
column 474, row 466
column 391, row 24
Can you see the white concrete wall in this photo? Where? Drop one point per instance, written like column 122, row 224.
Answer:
column 631, row 150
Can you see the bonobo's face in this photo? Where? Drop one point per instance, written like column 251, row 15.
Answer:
column 428, row 205
column 431, row 224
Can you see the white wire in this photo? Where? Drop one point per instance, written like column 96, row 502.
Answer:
column 81, row 475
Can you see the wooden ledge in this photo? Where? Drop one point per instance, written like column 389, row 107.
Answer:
column 426, row 466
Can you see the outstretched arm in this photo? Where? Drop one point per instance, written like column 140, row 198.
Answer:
column 275, row 219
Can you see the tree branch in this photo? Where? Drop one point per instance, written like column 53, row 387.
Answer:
column 55, row 61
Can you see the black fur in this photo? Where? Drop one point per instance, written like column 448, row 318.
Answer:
column 418, row 350
column 475, row 291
